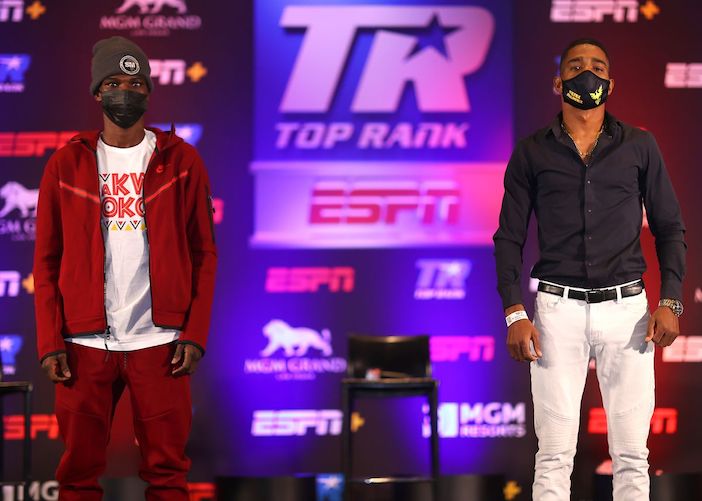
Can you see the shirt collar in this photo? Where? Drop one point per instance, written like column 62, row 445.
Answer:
column 611, row 126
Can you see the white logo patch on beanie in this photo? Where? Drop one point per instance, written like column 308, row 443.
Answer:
column 129, row 65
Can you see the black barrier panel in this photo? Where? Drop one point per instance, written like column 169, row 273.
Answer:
column 300, row 488
column 666, row 487
column 303, row 488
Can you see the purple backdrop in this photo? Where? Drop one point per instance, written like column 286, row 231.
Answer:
column 356, row 151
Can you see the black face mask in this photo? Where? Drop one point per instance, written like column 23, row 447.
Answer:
column 585, row 91
column 124, row 107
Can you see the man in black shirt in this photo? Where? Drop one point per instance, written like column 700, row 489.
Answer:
column 587, row 177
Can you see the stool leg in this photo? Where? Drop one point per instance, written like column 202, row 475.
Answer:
column 2, row 441
column 27, row 465
column 434, row 411
column 346, row 440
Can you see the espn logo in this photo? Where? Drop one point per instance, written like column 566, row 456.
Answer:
column 201, row 491
column 310, row 280
column 290, row 423
column 594, row 11
column 174, row 71
column 663, row 422
column 14, row 428
column 450, row 348
column 32, row 144
column 385, row 202
column 11, row 11
column 684, row 349
column 10, row 283
column 683, row 75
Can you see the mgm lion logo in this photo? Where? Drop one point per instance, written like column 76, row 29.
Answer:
column 18, row 197
column 156, row 6
column 295, row 341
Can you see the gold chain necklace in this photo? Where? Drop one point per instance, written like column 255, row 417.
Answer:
column 586, row 156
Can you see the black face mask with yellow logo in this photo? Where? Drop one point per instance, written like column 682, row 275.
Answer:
column 585, row 91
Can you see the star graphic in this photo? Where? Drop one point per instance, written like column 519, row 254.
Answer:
column 35, row 10
column 650, row 10
column 5, row 344
column 186, row 132
column 454, row 268
column 196, row 72
column 431, row 36
column 357, row 422
column 511, row 490
column 28, row 283
column 330, row 482
column 13, row 63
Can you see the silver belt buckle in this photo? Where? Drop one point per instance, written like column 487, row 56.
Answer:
column 594, row 296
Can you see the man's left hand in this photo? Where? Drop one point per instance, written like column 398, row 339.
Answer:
column 188, row 356
column 663, row 327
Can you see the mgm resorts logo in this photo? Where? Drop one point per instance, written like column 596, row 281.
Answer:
column 478, row 420
column 295, row 353
column 151, row 18
column 18, row 215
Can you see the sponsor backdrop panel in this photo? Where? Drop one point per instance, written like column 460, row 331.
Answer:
column 356, row 151
column 655, row 61
column 201, row 67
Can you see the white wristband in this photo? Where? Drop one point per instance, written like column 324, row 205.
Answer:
column 516, row 316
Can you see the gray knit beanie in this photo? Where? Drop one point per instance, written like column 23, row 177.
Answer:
column 118, row 56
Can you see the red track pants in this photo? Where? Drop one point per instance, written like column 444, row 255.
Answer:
column 86, row 404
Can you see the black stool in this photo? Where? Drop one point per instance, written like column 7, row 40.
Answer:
column 383, row 366
column 22, row 387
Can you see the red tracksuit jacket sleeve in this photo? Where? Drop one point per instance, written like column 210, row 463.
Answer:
column 48, row 249
column 203, row 252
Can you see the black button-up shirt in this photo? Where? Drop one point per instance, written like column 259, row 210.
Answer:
column 589, row 217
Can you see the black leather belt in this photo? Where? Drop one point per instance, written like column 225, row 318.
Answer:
column 594, row 295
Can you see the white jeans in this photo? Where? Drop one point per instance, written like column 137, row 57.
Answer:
column 614, row 330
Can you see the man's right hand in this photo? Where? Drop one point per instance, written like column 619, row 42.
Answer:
column 519, row 335
column 56, row 368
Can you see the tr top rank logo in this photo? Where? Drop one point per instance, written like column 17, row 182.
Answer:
column 422, row 45
column 12, row 70
column 370, row 72
column 156, row 18
column 10, row 345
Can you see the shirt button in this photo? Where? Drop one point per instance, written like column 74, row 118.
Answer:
column 588, row 181
column 589, row 263
column 589, row 211
column 589, row 237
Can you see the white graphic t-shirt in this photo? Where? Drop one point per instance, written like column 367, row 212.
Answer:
column 127, row 284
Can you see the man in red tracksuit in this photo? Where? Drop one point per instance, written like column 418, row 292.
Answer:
column 124, row 271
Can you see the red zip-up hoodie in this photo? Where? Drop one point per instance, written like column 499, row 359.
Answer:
column 69, row 256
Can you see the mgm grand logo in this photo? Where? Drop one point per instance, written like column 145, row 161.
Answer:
column 18, row 214
column 295, row 353
column 151, row 18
